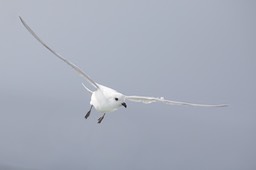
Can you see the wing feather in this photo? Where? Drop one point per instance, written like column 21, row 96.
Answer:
column 148, row 100
column 76, row 68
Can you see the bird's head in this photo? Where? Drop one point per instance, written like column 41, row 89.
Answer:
column 118, row 100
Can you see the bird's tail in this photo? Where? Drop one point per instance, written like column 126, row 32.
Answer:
column 86, row 88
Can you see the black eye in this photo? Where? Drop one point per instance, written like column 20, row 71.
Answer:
column 116, row 99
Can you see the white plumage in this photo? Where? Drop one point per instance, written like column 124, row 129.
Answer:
column 105, row 99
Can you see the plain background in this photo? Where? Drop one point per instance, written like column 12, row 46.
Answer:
column 195, row 51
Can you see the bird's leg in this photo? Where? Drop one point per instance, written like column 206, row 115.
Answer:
column 101, row 118
column 88, row 113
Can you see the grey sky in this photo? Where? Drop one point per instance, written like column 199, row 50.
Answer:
column 196, row 51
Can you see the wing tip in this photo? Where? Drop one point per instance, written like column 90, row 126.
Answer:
column 21, row 19
column 223, row 105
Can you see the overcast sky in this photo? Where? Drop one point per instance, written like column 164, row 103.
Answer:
column 195, row 51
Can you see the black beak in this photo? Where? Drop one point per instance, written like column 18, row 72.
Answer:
column 124, row 104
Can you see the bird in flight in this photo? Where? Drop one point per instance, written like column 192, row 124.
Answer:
column 105, row 99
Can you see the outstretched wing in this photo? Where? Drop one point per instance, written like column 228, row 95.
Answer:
column 76, row 68
column 148, row 100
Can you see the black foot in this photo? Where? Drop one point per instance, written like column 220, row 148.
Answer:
column 88, row 113
column 101, row 118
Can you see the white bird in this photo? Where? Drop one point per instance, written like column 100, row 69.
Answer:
column 105, row 99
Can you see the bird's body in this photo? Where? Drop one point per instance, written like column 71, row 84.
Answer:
column 105, row 99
